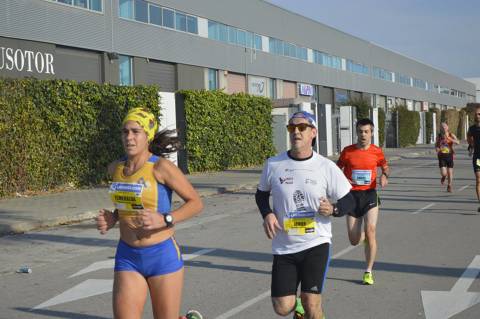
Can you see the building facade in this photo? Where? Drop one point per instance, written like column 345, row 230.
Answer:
column 240, row 46
column 476, row 82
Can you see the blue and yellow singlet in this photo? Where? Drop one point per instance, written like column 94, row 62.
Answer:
column 154, row 195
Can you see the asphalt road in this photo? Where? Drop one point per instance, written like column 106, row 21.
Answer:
column 427, row 264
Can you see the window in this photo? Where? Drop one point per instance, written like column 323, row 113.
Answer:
column 125, row 68
column 212, row 79
column 258, row 42
column 222, row 33
column 241, row 38
column 180, row 21
column 272, row 89
column 382, row 74
column 213, row 30
column 249, row 36
column 192, row 24
column 141, row 11
column 80, row 3
column 232, row 35
column 155, row 15
column 95, row 5
column 126, row 9
column 403, row 79
column 356, row 67
column 168, row 18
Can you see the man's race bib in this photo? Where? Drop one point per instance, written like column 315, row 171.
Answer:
column 299, row 223
column 127, row 196
column 477, row 162
column 362, row 176
column 445, row 150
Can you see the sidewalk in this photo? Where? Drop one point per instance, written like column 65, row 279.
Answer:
column 22, row 214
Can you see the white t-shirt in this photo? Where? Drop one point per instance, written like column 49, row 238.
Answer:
column 296, row 187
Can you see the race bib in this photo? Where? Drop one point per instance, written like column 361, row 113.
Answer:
column 444, row 150
column 127, row 197
column 299, row 223
column 362, row 177
column 477, row 162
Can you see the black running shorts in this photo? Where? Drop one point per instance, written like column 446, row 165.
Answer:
column 308, row 267
column 445, row 161
column 476, row 163
column 364, row 201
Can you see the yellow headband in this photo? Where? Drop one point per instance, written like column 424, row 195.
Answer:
column 145, row 119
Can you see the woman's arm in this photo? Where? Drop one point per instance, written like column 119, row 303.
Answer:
column 167, row 173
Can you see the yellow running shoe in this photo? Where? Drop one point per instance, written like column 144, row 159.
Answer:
column 368, row 278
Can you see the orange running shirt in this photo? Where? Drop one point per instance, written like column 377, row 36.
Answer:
column 360, row 166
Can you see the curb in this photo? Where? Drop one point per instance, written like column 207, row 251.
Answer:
column 20, row 228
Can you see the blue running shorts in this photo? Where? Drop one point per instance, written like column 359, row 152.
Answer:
column 159, row 259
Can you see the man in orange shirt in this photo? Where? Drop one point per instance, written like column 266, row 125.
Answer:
column 359, row 163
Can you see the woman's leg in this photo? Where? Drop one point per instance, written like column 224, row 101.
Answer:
column 129, row 295
column 166, row 294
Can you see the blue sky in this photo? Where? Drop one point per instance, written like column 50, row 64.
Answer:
column 442, row 33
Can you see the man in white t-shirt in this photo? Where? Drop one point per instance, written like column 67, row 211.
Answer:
column 302, row 184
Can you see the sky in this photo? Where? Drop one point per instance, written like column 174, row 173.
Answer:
column 444, row 34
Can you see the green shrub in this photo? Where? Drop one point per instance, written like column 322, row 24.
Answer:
column 57, row 132
column 429, row 126
column 226, row 131
column 363, row 107
column 408, row 126
column 381, row 126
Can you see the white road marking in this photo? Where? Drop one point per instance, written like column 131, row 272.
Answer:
column 446, row 304
column 94, row 287
column 422, row 209
column 197, row 253
column 248, row 303
column 106, row 264
column 464, row 187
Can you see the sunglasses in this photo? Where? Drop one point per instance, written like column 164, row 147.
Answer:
column 301, row 127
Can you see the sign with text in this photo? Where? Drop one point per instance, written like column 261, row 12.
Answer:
column 257, row 86
column 305, row 89
column 14, row 59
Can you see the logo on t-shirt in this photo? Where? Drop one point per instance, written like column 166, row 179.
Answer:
column 299, row 200
column 310, row 181
column 286, row 180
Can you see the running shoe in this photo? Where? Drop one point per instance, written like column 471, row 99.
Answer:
column 368, row 278
column 478, row 210
column 193, row 314
column 449, row 188
column 299, row 311
column 442, row 180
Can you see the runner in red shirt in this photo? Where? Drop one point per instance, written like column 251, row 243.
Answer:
column 359, row 163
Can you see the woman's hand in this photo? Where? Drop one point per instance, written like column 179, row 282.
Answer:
column 151, row 220
column 106, row 219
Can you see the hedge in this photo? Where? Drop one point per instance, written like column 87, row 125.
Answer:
column 55, row 133
column 429, row 127
column 226, row 131
column 408, row 126
column 452, row 118
column 381, row 126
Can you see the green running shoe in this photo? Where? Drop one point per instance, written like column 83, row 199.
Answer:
column 368, row 278
column 299, row 311
column 193, row 314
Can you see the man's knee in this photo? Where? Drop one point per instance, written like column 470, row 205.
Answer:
column 283, row 306
column 354, row 239
column 370, row 231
